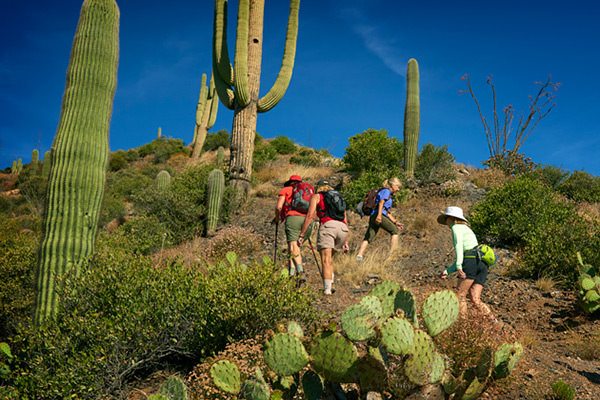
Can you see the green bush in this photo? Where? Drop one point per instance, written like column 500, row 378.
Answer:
column 162, row 148
column 141, row 235
column 118, row 160
column 214, row 140
column 121, row 317
column 263, row 154
column 528, row 215
column 127, row 183
column 581, row 186
column 548, row 174
column 374, row 151
column 434, row 164
column 112, row 207
column 283, row 145
column 18, row 253
column 33, row 192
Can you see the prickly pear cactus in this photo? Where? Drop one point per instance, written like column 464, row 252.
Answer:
column 589, row 285
column 440, row 310
column 174, row 389
column 216, row 186
column 334, row 357
column 255, row 388
column 505, row 359
column 423, row 365
column 226, row 376
column 397, row 336
column 295, row 329
column 358, row 322
column 405, row 301
column 312, row 385
column 285, row 354
column 386, row 293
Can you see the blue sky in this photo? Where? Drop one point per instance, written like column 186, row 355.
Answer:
column 349, row 72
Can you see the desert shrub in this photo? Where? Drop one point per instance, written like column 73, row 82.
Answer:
column 434, row 164
column 6, row 205
column 18, row 254
column 118, row 160
column 490, row 178
column 283, row 145
column 581, row 186
column 141, row 235
column 527, row 214
column 162, row 148
column 309, row 157
column 233, row 239
column 374, row 151
column 33, row 192
column 511, row 163
column 216, row 139
column 263, row 154
column 112, row 207
column 124, row 184
column 356, row 190
column 132, row 155
column 548, row 174
column 121, row 317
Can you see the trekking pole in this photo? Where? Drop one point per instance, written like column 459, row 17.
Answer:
column 275, row 245
column 315, row 255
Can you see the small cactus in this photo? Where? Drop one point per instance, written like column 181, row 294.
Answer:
column 589, row 284
column 46, row 164
column 285, row 354
column 163, row 180
column 35, row 158
column 563, row 391
column 440, row 310
column 174, row 389
column 505, row 359
column 220, row 156
column 216, row 186
column 226, row 376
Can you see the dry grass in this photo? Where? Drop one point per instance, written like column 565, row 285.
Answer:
column 179, row 162
column 529, row 338
column 266, row 189
column 545, row 284
column 422, row 224
column 277, row 173
column 584, row 345
column 489, row 178
column 210, row 157
column 376, row 261
column 589, row 211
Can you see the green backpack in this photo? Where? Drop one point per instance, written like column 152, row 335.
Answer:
column 486, row 254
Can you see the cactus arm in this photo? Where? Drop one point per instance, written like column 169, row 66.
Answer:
column 80, row 151
column 216, row 185
column 275, row 94
column 214, row 103
column 223, row 90
column 201, row 100
column 242, row 91
column 411, row 117
column 221, row 55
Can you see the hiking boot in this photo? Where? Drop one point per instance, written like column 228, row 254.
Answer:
column 327, row 292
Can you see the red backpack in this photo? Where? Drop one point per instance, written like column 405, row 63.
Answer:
column 301, row 194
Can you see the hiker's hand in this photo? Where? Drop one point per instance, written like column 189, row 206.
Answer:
column 378, row 219
column 300, row 240
column 345, row 248
column 461, row 274
column 399, row 225
column 444, row 275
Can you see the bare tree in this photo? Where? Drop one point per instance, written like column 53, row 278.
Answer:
column 499, row 134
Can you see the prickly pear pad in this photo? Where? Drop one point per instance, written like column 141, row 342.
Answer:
column 372, row 373
column 386, row 293
column 418, row 368
column 440, row 310
column 405, row 301
column 312, row 385
column 397, row 336
column 334, row 357
column 358, row 322
column 373, row 304
column 505, row 359
column 285, row 354
column 226, row 376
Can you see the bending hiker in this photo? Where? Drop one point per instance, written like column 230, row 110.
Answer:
column 293, row 212
column 472, row 271
column 380, row 217
column 329, row 206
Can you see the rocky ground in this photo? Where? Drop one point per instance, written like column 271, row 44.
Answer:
column 560, row 341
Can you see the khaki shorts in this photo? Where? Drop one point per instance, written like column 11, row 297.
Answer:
column 332, row 235
column 293, row 225
column 386, row 224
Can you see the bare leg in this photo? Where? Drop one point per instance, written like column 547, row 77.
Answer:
column 363, row 247
column 327, row 262
column 475, row 295
column 394, row 244
column 463, row 289
column 295, row 253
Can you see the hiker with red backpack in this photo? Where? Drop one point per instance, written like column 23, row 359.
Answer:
column 329, row 206
column 292, row 206
column 377, row 205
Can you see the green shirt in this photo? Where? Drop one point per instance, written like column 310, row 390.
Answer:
column 463, row 239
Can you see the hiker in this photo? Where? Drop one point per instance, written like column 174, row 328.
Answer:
column 294, row 218
column 381, row 218
column 329, row 206
column 472, row 271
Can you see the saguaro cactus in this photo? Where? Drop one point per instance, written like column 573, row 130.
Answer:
column 206, row 114
column 238, row 86
column 46, row 164
column 35, row 158
column 216, row 184
column 412, row 113
column 80, row 150
column 163, row 180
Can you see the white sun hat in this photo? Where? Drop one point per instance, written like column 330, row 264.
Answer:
column 452, row 211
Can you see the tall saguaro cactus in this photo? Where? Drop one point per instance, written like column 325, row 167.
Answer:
column 206, row 114
column 412, row 122
column 215, row 189
column 238, row 86
column 80, row 150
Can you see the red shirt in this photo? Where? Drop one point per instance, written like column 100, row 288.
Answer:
column 287, row 204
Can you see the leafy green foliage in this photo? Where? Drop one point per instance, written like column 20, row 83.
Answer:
column 17, row 273
column 142, row 235
column 214, row 140
column 374, row 151
column 124, row 184
column 548, row 174
column 434, row 164
column 112, row 207
column 118, row 160
column 283, row 145
column 162, row 148
column 581, row 186
column 121, row 316
column 264, row 153
column 527, row 214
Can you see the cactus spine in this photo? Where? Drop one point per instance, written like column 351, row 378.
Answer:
column 206, row 114
column 216, row 185
column 80, row 150
column 244, row 77
column 163, row 180
column 412, row 113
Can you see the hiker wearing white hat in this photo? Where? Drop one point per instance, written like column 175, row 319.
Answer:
column 472, row 271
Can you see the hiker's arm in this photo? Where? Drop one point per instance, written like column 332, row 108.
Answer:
column 380, row 211
column 279, row 207
column 310, row 215
column 457, row 240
